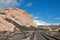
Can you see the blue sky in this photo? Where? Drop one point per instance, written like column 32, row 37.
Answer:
column 42, row 11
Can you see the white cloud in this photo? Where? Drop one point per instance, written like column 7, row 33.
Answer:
column 39, row 22
column 8, row 3
column 29, row 4
column 34, row 16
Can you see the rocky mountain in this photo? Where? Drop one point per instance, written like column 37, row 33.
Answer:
column 17, row 15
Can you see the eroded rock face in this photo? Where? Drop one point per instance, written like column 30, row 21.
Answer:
column 19, row 16
column 6, row 26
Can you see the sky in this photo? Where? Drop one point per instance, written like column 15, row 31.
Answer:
column 43, row 12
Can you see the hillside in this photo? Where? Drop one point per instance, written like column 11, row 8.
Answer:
column 16, row 15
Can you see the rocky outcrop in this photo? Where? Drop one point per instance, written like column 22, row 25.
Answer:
column 6, row 26
column 19, row 16
column 57, row 30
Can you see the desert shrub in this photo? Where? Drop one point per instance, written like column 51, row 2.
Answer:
column 22, row 28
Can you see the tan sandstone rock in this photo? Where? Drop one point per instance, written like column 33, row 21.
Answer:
column 19, row 16
column 6, row 26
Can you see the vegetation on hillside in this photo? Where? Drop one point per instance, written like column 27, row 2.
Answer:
column 22, row 28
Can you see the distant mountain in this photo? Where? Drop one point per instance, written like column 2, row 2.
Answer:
column 19, row 16
column 52, row 27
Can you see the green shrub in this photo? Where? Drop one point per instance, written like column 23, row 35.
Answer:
column 22, row 28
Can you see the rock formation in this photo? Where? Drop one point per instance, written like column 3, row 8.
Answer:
column 4, row 25
column 19, row 16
